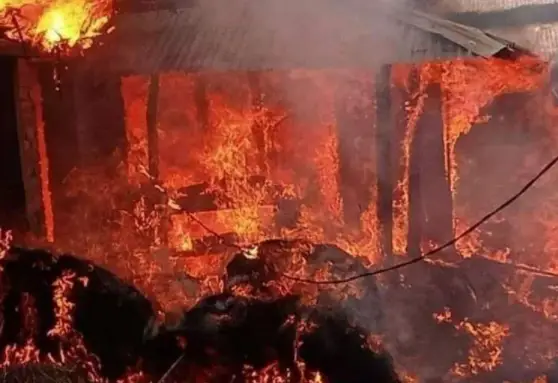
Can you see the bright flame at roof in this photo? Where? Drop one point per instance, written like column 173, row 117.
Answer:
column 51, row 24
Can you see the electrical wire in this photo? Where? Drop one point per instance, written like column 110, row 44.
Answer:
column 449, row 243
column 401, row 265
column 410, row 262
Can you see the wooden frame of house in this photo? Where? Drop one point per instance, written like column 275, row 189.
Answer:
column 68, row 97
column 185, row 41
column 32, row 141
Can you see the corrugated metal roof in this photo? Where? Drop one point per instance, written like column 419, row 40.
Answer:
column 482, row 6
column 264, row 34
column 531, row 23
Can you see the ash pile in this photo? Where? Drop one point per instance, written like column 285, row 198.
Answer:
column 64, row 310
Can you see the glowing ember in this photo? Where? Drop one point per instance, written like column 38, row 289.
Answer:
column 5, row 242
column 52, row 24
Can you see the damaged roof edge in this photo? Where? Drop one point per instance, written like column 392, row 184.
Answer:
column 475, row 40
column 159, row 41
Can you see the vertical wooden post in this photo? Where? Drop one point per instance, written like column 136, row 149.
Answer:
column 59, row 116
column 153, row 149
column 254, row 81
column 34, row 158
column 434, row 183
column 433, row 191
column 60, row 135
column 152, row 135
column 384, row 167
column 355, row 148
column 416, row 208
column 202, row 103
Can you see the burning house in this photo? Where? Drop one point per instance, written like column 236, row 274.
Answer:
column 226, row 160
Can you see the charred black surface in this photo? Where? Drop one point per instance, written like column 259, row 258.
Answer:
column 110, row 314
column 231, row 332
column 257, row 270
column 340, row 352
column 218, row 337
column 234, row 331
column 274, row 258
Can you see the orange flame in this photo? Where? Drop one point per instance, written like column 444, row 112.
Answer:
column 56, row 23
column 302, row 156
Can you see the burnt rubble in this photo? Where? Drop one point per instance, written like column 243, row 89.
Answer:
column 273, row 259
column 233, row 331
column 110, row 315
column 217, row 338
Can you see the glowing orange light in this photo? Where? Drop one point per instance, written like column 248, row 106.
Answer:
column 52, row 24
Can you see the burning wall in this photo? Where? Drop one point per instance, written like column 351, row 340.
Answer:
column 255, row 146
column 304, row 155
column 294, row 154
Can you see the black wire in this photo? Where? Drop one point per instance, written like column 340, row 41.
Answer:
column 412, row 261
column 451, row 242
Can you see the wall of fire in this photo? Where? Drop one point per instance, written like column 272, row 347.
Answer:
column 393, row 162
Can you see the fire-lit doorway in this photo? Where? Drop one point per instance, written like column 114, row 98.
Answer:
column 12, row 192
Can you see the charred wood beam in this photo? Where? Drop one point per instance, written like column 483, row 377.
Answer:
column 434, row 184
column 58, row 101
column 12, row 192
column 384, row 166
column 152, row 135
column 431, row 204
column 202, row 102
column 153, row 144
column 34, row 167
column 355, row 138
column 416, row 207
column 60, row 132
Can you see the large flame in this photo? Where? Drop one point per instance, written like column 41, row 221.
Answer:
column 241, row 155
column 51, row 24
column 302, row 155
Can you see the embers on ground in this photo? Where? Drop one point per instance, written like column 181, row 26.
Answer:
column 220, row 336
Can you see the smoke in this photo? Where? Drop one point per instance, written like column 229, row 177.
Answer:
column 300, row 38
column 309, row 33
